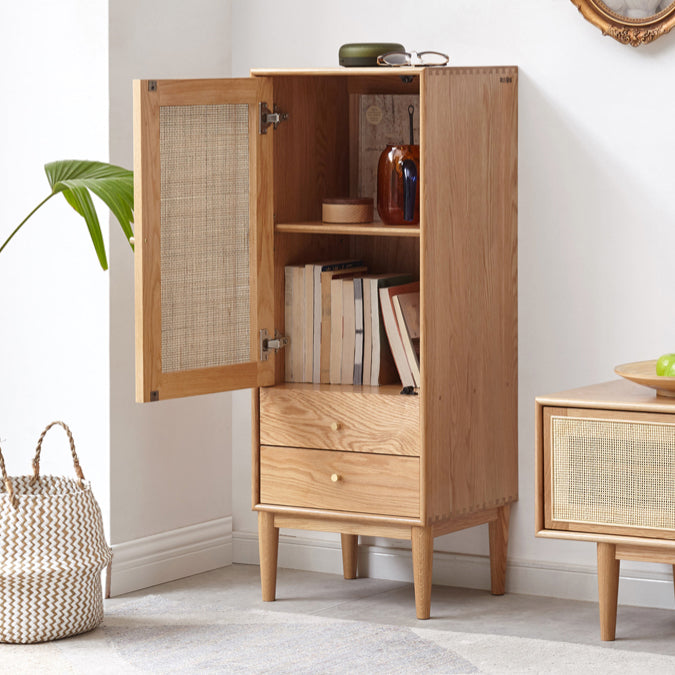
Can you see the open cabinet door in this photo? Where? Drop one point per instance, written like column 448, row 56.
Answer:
column 204, row 236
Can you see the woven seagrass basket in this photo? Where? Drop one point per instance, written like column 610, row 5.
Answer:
column 52, row 552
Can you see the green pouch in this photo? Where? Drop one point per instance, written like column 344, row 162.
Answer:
column 366, row 53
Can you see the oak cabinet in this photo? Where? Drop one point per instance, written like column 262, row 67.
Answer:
column 230, row 176
column 606, row 474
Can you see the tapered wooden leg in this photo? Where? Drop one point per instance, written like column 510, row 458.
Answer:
column 673, row 577
column 608, row 589
column 422, row 557
column 268, row 544
column 350, row 554
column 499, row 541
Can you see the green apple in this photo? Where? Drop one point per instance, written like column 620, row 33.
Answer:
column 664, row 366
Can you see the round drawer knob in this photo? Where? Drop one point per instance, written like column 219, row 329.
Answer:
column 335, row 477
column 336, row 426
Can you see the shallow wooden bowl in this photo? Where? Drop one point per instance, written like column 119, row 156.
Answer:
column 644, row 373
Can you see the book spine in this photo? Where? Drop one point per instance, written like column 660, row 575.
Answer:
column 367, row 331
column 309, row 324
column 347, row 331
column 289, row 321
column 316, row 343
column 358, row 331
column 394, row 337
column 336, row 331
column 407, row 339
column 376, row 338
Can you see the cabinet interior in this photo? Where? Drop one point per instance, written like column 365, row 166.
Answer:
column 316, row 156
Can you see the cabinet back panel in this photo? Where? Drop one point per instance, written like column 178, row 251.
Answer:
column 387, row 254
column 311, row 148
column 379, row 84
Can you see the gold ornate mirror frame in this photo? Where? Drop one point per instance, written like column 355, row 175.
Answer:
column 626, row 28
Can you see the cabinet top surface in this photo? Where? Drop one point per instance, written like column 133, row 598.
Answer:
column 613, row 395
column 381, row 71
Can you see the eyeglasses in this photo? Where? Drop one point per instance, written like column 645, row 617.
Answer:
column 415, row 59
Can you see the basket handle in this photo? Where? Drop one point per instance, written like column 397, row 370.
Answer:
column 8, row 483
column 76, row 462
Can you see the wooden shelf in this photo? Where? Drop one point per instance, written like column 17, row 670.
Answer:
column 381, row 390
column 375, row 229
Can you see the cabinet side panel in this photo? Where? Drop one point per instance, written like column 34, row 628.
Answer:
column 469, row 289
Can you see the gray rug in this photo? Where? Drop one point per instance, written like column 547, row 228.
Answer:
column 215, row 622
column 162, row 633
column 263, row 642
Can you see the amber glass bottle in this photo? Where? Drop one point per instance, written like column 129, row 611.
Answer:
column 398, row 185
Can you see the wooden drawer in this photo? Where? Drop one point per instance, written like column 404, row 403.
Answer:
column 343, row 481
column 362, row 419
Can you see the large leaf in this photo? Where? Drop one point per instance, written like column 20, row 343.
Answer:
column 78, row 197
column 114, row 185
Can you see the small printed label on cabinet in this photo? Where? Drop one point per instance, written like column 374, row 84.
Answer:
column 374, row 114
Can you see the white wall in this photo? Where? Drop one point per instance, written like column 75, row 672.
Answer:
column 54, row 297
column 170, row 461
column 161, row 472
column 595, row 240
column 596, row 235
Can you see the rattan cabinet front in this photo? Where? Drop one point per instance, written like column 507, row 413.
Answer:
column 609, row 472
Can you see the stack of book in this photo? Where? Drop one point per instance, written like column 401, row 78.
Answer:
column 336, row 329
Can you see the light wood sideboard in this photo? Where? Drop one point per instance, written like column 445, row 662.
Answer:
column 605, row 472
column 230, row 176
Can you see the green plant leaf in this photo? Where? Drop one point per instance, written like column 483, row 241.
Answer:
column 114, row 185
column 80, row 200
column 75, row 179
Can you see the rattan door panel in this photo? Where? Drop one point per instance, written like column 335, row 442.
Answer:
column 610, row 472
column 204, row 279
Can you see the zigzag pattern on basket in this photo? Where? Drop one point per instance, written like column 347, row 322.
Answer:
column 52, row 552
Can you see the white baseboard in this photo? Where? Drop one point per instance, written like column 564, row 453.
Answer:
column 198, row 548
column 571, row 582
column 171, row 555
